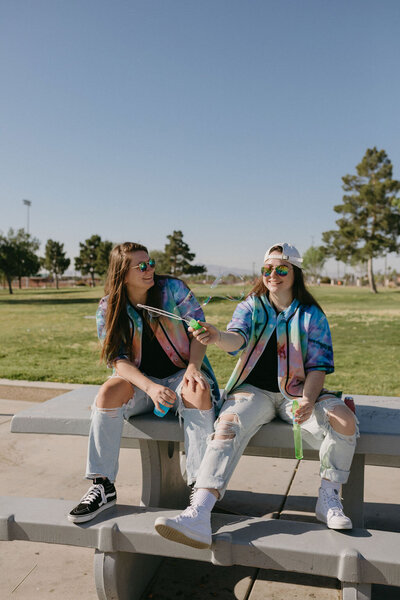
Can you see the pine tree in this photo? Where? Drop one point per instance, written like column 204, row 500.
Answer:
column 93, row 257
column 162, row 262
column 178, row 254
column 18, row 256
column 370, row 223
column 55, row 260
column 314, row 259
column 103, row 257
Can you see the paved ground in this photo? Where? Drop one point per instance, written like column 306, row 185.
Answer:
column 52, row 466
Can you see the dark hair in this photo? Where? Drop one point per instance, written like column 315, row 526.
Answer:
column 300, row 291
column 117, row 321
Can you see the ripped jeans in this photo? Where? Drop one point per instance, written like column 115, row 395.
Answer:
column 106, row 429
column 253, row 408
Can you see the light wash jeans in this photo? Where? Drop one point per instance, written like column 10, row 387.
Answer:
column 255, row 407
column 106, row 429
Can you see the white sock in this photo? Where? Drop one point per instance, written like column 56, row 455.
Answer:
column 326, row 484
column 203, row 497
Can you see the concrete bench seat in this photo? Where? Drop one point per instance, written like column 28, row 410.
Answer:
column 69, row 414
column 127, row 545
column 128, row 550
column 161, row 439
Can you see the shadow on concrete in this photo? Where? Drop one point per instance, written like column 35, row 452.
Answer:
column 178, row 578
column 377, row 515
column 379, row 592
column 299, row 579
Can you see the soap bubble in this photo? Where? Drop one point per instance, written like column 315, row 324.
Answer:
column 224, row 287
column 221, row 287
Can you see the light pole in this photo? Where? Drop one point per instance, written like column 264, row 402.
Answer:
column 27, row 204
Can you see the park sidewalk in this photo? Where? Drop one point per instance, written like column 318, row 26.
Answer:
column 52, row 466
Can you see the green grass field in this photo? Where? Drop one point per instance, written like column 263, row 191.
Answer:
column 50, row 335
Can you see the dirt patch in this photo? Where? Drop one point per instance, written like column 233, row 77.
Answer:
column 29, row 394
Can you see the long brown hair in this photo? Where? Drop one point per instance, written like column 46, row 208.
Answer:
column 117, row 321
column 300, row 291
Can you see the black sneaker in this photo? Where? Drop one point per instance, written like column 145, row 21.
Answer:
column 100, row 495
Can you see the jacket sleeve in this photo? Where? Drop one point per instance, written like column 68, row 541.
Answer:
column 187, row 305
column 101, row 329
column 241, row 322
column 101, row 319
column 319, row 356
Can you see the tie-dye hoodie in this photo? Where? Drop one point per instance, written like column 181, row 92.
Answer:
column 172, row 334
column 303, row 338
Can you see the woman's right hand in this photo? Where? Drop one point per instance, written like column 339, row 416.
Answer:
column 161, row 395
column 208, row 334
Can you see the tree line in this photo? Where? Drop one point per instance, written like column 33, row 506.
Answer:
column 369, row 223
column 19, row 258
column 368, row 228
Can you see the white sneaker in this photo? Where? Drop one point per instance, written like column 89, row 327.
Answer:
column 329, row 509
column 192, row 527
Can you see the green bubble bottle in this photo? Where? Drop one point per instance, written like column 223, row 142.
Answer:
column 194, row 324
column 298, row 443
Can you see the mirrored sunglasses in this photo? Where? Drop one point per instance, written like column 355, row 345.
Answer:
column 143, row 266
column 281, row 270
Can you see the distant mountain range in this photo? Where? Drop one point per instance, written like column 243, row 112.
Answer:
column 220, row 270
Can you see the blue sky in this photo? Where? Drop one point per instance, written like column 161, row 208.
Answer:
column 233, row 121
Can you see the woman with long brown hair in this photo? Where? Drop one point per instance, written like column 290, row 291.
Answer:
column 156, row 363
column 287, row 351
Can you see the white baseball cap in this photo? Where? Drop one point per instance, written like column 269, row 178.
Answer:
column 289, row 253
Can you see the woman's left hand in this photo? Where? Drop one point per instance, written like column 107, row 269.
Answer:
column 193, row 377
column 304, row 412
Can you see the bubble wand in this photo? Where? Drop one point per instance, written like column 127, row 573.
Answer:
column 187, row 319
column 298, row 442
column 163, row 313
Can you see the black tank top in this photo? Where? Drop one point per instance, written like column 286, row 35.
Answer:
column 155, row 361
column 264, row 374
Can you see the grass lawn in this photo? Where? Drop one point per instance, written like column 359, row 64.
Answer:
column 50, row 335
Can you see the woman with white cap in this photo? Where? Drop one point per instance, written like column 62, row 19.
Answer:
column 286, row 353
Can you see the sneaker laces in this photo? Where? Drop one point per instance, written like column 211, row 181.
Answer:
column 191, row 510
column 93, row 493
column 333, row 502
column 191, row 497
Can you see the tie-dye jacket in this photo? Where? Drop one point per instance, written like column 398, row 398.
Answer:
column 303, row 337
column 172, row 334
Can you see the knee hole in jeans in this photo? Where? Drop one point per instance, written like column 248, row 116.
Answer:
column 226, row 427
column 114, row 394
column 112, row 411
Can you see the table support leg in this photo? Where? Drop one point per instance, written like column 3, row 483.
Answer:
column 123, row 575
column 356, row 591
column 162, row 481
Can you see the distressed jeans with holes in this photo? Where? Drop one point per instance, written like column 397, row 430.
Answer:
column 252, row 408
column 107, row 423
